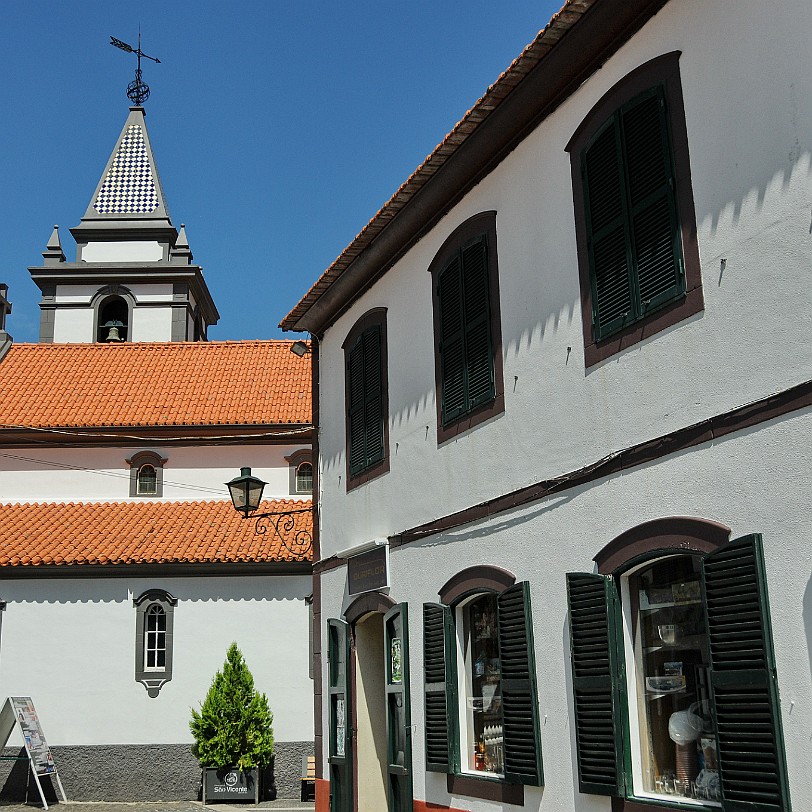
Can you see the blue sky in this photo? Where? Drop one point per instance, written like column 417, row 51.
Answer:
column 279, row 129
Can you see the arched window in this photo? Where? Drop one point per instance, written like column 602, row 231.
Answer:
column 147, row 481
column 480, row 691
column 146, row 474
column 301, row 471
column 155, row 638
column 304, row 478
column 674, row 683
column 154, row 621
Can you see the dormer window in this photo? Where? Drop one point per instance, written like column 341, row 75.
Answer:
column 113, row 320
column 146, row 474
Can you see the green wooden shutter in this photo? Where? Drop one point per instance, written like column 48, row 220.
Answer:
column 365, row 401
column 340, row 744
column 373, row 396
column 398, row 709
column 479, row 376
column 452, row 340
column 520, row 711
column 743, row 678
column 607, row 232
column 440, row 689
column 598, row 682
column 356, row 427
column 633, row 239
column 656, row 248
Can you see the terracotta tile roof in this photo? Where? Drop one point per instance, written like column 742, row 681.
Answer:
column 154, row 384
column 563, row 21
column 141, row 532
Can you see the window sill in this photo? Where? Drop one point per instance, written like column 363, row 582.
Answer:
column 486, row 788
column 635, row 804
column 471, row 419
column 361, row 478
column 688, row 305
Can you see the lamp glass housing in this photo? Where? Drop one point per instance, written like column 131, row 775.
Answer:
column 246, row 492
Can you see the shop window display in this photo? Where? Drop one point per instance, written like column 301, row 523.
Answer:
column 670, row 702
column 481, row 742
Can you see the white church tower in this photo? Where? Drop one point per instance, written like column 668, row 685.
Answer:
column 133, row 278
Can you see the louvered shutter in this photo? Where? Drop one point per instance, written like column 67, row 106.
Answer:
column 373, row 396
column 439, row 688
column 479, row 381
column 452, row 340
column 598, row 682
column 743, row 678
column 520, row 712
column 633, row 240
column 652, row 205
column 355, row 407
column 365, row 401
column 607, row 230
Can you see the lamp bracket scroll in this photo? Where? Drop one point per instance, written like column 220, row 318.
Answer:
column 284, row 524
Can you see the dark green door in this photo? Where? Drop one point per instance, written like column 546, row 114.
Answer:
column 398, row 711
column 338, row 657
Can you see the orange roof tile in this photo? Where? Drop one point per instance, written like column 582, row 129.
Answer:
column 154, row 384
column 143, row 532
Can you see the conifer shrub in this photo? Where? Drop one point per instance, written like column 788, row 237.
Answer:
column 234, row 727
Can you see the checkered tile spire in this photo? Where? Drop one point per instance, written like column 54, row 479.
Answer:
column 128, row 187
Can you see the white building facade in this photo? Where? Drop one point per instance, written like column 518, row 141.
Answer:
column 563, row 382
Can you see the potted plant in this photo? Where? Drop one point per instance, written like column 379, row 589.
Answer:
column 233, row 733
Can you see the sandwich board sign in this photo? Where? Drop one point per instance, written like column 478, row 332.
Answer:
column 19, row 710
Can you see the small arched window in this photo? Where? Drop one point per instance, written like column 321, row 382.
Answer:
column 146, row 474
column 147, row 480
column 301, row 471
column 304, row 478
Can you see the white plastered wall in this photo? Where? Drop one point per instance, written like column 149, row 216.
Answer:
column 70, row 645
column 102, row 474
column 756, row 482
column 751, row 185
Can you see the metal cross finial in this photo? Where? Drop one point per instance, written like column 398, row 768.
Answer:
column 137, row 91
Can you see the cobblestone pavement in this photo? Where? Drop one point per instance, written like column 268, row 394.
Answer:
column 160, row 806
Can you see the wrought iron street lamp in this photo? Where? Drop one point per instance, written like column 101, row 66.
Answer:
column 246, row 495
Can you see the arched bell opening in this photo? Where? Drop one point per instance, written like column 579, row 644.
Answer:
column 113, row 320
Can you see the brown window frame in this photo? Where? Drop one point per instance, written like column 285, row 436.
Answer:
column 480, row 224
column 663, row 71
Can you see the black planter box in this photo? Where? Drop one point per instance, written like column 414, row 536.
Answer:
column 230, row 784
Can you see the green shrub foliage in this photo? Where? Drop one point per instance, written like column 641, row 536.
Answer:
column 234, row 727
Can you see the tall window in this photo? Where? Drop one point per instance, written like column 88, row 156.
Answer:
column 366, row 398
column 674, row 684
column 154, row 621
column 466, row 327
column 481, row 700
column 636, row 226
column 155, row 638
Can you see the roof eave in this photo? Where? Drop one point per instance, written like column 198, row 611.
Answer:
column 573, row 46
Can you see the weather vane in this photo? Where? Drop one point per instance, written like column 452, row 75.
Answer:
column 137, row 91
